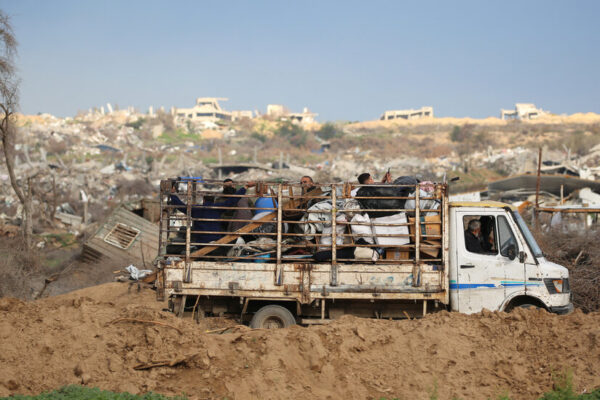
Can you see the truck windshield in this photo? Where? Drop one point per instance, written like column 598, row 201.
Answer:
column 537, row 252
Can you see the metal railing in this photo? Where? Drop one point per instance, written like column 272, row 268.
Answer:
column 326, row 224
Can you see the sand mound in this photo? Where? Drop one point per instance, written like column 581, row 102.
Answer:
column 70, row 339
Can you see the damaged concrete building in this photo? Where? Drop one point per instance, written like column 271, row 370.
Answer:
column 523, row 111
column 278, row 111
column 208, row 109
column 423, row 112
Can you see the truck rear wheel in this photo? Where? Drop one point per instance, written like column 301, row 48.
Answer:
column 272, row 317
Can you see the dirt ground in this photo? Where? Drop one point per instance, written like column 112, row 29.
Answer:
column 69, row 339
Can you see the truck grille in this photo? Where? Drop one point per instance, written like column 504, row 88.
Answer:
column 550, row 286
column 566, row 286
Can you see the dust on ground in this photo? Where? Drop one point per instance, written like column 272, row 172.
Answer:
column 69, row 339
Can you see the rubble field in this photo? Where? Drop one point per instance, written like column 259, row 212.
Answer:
column 116, row 337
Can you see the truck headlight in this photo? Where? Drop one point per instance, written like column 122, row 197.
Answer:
column 558, row 284
column 554, row 286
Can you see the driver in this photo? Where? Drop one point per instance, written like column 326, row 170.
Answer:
column 474, row 239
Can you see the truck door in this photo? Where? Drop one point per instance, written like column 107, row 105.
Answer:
column 508, row 244
column 484, row 268
column 531, row 250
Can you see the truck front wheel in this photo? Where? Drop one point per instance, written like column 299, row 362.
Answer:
column 528, row 306
column 272, row 317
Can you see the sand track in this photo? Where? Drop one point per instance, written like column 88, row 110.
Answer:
column 69, row 339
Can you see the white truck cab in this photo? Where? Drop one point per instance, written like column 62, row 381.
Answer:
column 512, row 270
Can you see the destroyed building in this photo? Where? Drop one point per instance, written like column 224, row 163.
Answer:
column 278, row 111
column 523, row 111
column 208, row 109
column 423, row 112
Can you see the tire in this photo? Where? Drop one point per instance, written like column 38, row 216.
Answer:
column 528, row 306
column 272, row 317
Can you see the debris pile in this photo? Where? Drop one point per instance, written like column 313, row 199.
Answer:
column 85, row 165
column 581, row 255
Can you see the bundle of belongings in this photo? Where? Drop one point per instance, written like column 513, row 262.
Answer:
column 385, row 203
column 365, row 229
column 378, row 232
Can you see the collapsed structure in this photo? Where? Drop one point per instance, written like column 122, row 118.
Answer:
column 523, row 111
column 208, row 109
column 423, row 112
column 278, row 111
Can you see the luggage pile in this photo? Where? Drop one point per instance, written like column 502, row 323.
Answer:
column 372, row 223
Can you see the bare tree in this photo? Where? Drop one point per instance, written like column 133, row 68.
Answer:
column 9, row 102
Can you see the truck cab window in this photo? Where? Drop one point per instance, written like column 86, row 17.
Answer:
column 480, row 234
column 508, row 243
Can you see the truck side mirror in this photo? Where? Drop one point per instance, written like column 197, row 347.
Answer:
column 511, row 252
column 522, row 256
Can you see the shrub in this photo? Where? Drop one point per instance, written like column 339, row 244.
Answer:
column 17, row 265
column 581, row 255
column 166, row 119
column 328, row 131
column 136, row 124
column 178, row 136
column 580, row 142
column 457, row 134
column 293, row 133
column 563, row 388
column 258, row 136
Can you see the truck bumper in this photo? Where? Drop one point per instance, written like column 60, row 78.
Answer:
column 562, row 310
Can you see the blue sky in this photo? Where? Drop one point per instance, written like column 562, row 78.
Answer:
column 346, row 60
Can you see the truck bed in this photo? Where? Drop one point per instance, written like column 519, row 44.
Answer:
column 416, row 273
column 306, row 282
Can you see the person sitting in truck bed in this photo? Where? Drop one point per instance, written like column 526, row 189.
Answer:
column 296, row 207
column 366, row 179
column 208, row 210
column 309, row 191
column 474, row 240
column 228, row 189
column 241, row 213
